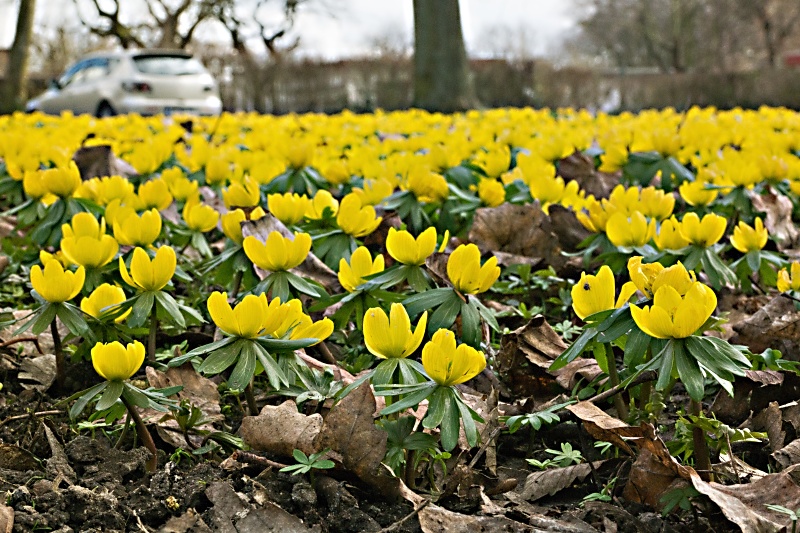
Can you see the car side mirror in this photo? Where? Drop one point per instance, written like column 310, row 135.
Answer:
column 54, row 84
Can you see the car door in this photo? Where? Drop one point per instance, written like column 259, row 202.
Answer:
column 58, row 98
column 86, row 91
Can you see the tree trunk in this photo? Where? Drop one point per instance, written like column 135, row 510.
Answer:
column 441, row 70
column 17, row 71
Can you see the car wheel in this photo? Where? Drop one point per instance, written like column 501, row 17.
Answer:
column 105, row 110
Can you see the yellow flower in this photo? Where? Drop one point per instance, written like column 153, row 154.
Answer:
column 279, row 252
column 643, row 275
column 695, row 193
column 242, row 194
column 655, row 203
column 491, row 192
column 676, row 276
column 62, row 181
column 788, row 282
column 247, row 319
column 34, row 186
column 403, row 248
column 55, row 284
column 361, row 264
column 629, row 230
column 232, row 222
column 181, row 187
column 299, row 325
column 746, row 238
column 466, row 273
column 85, row 242
column 392, row 337
column 595, row 214
column 131, row 229
column 674, row 314
column 355, row 219
column 703, row 232
column 102, row 299
column 200, row 217
column 289, row 208
column 115, row 362
column 448, row 365
column 595, row 293
column 155, row 193
column 426, row 185
column 374, row 191
column 323, row 199
column 113, row 188
column 149, row 275
column 669, row 236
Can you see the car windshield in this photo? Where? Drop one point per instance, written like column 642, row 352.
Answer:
column 177, row 65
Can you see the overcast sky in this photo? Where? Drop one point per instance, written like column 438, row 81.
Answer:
column 352, row 27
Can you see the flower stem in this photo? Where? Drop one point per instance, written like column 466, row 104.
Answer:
column 703, row 461
column 237, row 284
column 613, row 376
column 151, row 338
column 61, row 371
column 251, row 399
column 144, row 434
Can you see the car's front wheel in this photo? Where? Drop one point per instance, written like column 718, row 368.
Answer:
column 105, row 110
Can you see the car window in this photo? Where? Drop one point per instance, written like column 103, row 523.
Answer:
column 177, row 65
column 95, row 70
column 71, row 72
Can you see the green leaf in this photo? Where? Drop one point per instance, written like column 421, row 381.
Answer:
column 384, row 371
column 451, row 424
column 470, row 431
column 305, row 286
column 244, row 369
column 437, row 408
column 141, row 309
column 576, row 349
column 621, row 325
column 471, row 324
column 636, row 347
column 170, row 307
column 72, row 318
column 421, row 392
column 111, row 394
column 136, row 396
column 753, row 260
column 85, row 397
column 201, row 350
column 445, row 315
column 666, row 362
column 275, row 374
column 418, row 303
column 220, row 359
column 688, row 371
column 47, row 313
column 284, row 345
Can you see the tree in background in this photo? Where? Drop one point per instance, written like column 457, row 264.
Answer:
column 17, row 70
column 688, row 35
column 441, row 70
column 165, row 25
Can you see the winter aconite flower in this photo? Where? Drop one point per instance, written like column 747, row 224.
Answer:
column 355, row 219
column 629, row 230
column 116, row 362
column 200, row 217
column 279, row 252
column 449, row 365
column 466, row 273
column 669, row 236
column 147, row 275
column 595, row 293
column 392, row 336
column 62, row 181
column 696, row 193
column 289, row 208
column 643, row 274
column 86, row 243
column 242, row 194
column 703, row 232
column 322, row 200
column 231, row 222
column 248, row 319
column 55, row 284
column 675, row 314
column 131, row 229
column 747, row 238
column 102, row 299
column 789, row 280
column 352, row 274
column 404, row 248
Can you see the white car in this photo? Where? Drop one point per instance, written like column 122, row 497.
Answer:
column 147, row 82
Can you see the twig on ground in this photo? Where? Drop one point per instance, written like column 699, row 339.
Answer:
column 255, row 459
column 16, row 340
column 412, row 514
column 647, row 375
column 27, row 415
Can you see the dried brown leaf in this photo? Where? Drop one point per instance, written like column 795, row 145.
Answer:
column 549, row 482
column 778, row 220
column 649, row 479
column 349, row 430
column 281, row 429
column 99, row 161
